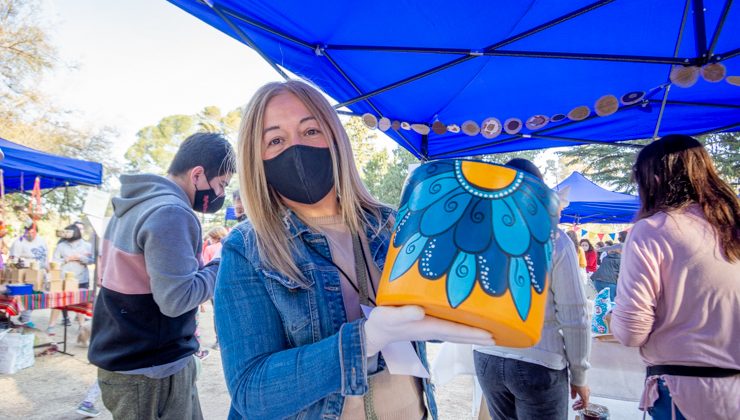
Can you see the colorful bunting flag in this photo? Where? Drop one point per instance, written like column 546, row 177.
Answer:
column 601, row 236
column 613, row 236
column 584, row 232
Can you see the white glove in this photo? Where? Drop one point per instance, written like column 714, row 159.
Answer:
column 388, row 324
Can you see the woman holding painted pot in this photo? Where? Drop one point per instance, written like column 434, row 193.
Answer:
column 293, row 277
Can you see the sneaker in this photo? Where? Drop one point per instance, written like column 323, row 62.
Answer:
column 202, row 354
column 87, row 409
column 50, row 331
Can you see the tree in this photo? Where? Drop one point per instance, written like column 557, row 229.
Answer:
column 611, row 165
column 156, row 145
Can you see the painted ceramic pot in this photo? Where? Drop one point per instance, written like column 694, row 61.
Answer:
column 472, row 244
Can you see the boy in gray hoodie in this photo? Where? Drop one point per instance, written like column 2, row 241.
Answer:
column 152, row 282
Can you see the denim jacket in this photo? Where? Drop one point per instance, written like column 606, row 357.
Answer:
column 288, row 351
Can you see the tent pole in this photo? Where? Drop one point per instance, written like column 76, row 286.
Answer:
column 247, row 40
column 720, row 24
column 716, row 130
column 687, row 103
column 262, row 26
column 700, row 30
column 512, row 53
column 369, row 102
column 473, row 55
column 675, row 54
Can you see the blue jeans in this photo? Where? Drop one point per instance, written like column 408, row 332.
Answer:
column 661, row 410
column 521, row 390
column 600, row 285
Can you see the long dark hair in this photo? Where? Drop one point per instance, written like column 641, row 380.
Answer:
column 676, row 171
column 76, row 234
column 590, row 247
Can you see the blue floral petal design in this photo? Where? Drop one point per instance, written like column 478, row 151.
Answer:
column 432, row 190
column 537, row 259
column 535, row 213
column 437, row 256
column 520, row 286
column 474, row 231
column 461, row 279
column 408, row 255
column 443, row 214
column 493, row 269
column 509, row 227
column 406, row 226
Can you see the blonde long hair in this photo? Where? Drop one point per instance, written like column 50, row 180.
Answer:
column 262, row 204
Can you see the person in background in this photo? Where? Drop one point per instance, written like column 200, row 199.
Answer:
column 592, row 260
column 605, row 277
column 25, row 249
column 213, row 249
column 533, row 382
column 74, row 254
column 152, row 282
column 599, row 252
column 581, row 256
column 294, row 341
column 678, row 295
column 238, row 206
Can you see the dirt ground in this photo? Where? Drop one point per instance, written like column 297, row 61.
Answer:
column 52, row 388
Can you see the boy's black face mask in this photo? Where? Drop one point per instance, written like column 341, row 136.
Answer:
column 206, row 201
column 301, row 173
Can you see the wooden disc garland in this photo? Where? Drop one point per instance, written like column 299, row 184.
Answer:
column 453, row 128
column 684, row 76
column 513, row 125
column 490, row 128
column 422, row 129
column 714, row 72
column 384, row 124
column 536, row 122
column 630, row 98
column 439, row 128
column 470, row 128
column 606, row 105
column 733, row 80
column 370, row 121
column 579, row 113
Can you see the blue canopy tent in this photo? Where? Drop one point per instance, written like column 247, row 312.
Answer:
column 590, row 203
column 542, row 62
column 22, row 165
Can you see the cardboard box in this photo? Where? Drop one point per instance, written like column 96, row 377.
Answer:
column 11, row 275
column 35, row 278
column 70, row 282
column 56, row 286
column 55, row 274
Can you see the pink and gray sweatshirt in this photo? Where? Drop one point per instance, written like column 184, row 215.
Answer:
column 152, row 280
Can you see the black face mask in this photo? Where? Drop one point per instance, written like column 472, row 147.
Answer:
column 206, row 201
column 301, row 173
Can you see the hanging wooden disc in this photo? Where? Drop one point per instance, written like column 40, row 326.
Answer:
column 733, row 80
column 439, row 127
column 630, row 98
column 422, row 129
column 513, row 125
column 536, row 122
column 606, row 105
column 490, row 128
column 684, row 76
column 714, row 72
column 384, row 124
column 453, row 128
column 579, row 113
column 470, row 128
column 370, row 120
column 396, row 125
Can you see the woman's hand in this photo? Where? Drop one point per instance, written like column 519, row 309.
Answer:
column 387, row 324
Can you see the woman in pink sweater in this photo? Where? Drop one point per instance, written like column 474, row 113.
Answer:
column 678, row 294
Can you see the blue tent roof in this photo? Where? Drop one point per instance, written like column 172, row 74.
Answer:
column 421, row 62
column 590, row 203
column 22, row 165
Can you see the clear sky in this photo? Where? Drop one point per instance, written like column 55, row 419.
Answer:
column 129, row 63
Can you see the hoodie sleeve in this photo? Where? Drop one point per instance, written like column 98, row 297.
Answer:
column 170, row 238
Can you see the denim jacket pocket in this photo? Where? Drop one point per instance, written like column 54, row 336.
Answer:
column 296, row 305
